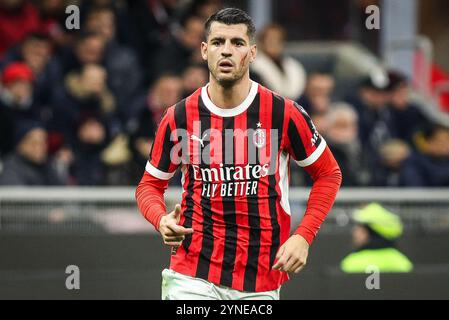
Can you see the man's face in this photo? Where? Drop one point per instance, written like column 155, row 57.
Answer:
column 193, row 33
column 228, row 52
column 319, row 89
column 439, row 144
column 167, row 91
column 90, row 50
column 102, row 22
column 20, row 91
column 34, row 146
column 36, row 53
column 273, row 43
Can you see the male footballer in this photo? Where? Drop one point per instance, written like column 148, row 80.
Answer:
column 233, row 139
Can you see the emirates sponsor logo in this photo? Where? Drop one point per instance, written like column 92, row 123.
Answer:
column 231, row 173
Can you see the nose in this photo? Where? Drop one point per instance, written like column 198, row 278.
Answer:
column 226, row 49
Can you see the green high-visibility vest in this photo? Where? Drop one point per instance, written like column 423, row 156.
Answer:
column 385, row 259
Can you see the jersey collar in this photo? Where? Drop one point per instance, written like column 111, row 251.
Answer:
column 231, row 112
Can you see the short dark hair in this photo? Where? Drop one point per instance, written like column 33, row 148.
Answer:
column 230, row 16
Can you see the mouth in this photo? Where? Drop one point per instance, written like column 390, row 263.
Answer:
column 226, row 65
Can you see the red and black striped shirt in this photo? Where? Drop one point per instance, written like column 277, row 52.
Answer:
column 235, row 172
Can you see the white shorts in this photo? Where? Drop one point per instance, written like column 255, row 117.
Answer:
column 176, row 286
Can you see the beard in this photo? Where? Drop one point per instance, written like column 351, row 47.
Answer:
column 230, row 79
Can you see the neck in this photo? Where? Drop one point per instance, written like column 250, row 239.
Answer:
column 229, row 97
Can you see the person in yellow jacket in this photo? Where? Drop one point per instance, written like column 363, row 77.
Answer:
column 374, row 237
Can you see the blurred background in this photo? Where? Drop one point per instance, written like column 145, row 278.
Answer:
column 80, row 100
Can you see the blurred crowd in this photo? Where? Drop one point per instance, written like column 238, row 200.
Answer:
column 81, row 107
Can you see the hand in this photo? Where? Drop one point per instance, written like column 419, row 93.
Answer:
column 292, row 255
column 172, row 233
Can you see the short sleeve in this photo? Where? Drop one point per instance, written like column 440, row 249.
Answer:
column 304, row 143
column 162, row 163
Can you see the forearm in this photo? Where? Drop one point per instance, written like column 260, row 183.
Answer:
column 150, row 198
column 326, row 175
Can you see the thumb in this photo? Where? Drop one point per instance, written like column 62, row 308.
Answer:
column 177, row 212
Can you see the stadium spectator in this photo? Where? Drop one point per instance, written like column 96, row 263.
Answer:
column 152, row 24
column 317, row 95
column 124, row 32
column 407, row 118
column 84, row 92
column 17, row 19
column 370, row 102
column 202, row 8
column 29, row 165
column 37, row 52
column 147, row 111
column 428, row 166
column 278, row 72
column 87, row 48
column 183, row 48
column 52, row 18
column 165, row 92
column 342, row 138
column 141, row 140
column 374, row 237
column 392, row 155
column 375, row 119
column 16, row 102
column 90, row 139
column 195, row 76
column 124, row 72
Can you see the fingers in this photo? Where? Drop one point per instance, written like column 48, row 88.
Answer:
column 174, row 238
column 177, row 230
column 290, row 262
column 297, row 270
column 280, row 252
column 174, row 241
column 172, row 233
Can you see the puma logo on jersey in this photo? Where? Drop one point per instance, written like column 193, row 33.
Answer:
column 195, row 138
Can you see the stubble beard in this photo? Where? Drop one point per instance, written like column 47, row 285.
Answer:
column 228, row 82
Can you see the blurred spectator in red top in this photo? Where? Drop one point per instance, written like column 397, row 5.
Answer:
column 53, row 17
column 17, row 19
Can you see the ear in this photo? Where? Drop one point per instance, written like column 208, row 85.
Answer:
column 253, row 53
column 204, row 50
